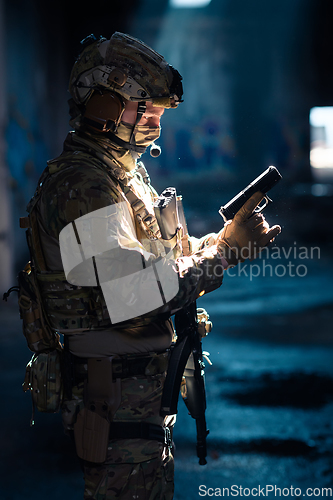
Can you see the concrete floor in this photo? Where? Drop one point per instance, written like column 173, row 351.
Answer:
column 269, row 391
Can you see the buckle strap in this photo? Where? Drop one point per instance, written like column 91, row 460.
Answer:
column 146, row 219
column 140, row 430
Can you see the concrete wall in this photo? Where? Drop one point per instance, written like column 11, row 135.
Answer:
column 251, row 74
column 6, row 230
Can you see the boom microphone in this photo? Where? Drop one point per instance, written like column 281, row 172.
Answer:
column 155, row 150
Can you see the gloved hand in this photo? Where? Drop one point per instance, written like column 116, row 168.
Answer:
column 245, row 235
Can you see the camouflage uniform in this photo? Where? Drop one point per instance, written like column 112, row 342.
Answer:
column 134, row 468
column 113, row 372
column 76, row 183
column 97, row 169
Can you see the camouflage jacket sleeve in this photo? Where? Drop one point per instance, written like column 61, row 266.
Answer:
column 199, row 273
column 205, row 241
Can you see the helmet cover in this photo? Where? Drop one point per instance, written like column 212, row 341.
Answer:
column 128, row 67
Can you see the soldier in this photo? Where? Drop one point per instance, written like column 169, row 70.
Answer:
column 115, row 369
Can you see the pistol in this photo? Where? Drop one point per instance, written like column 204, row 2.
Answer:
column 263, row 183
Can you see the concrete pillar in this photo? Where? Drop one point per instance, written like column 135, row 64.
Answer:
column 6, row 252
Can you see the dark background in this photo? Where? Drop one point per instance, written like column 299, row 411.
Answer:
column 252, row 71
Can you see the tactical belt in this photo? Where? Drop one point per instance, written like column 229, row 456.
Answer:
column 140, row 430
column 129, row 366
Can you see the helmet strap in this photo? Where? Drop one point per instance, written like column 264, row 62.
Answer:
column 131, row 147
column 135, row 150
column 139, row 114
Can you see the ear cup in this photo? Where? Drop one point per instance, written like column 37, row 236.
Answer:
column 103, row 111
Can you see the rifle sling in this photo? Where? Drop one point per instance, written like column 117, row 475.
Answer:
column 177, row 362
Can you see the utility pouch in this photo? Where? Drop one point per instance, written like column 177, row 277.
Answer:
column 39, row 336
column 91, row 433
column 102, row 399
column 43, row 379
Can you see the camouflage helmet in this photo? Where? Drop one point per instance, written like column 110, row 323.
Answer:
column 127, row 66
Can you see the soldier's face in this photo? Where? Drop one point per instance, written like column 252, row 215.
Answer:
column 151, row 118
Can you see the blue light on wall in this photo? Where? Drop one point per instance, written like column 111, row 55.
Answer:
column 321, row 138
column 189, row 3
